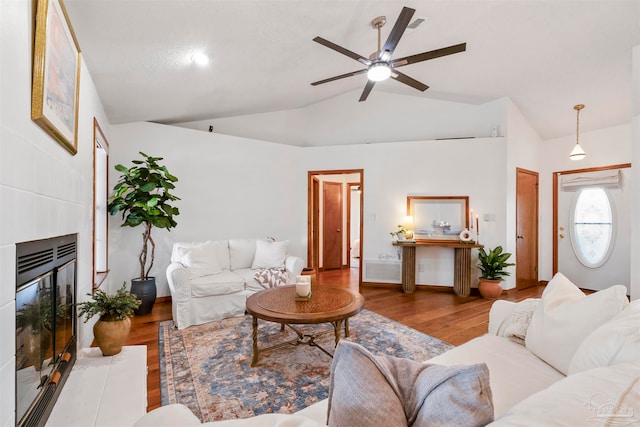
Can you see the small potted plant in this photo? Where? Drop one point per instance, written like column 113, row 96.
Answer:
column 399, row 234
column 115, row 312
column 492, row 268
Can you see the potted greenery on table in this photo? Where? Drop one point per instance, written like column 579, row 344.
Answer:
column 143, row 195
column 492, row 268
column 114, row 323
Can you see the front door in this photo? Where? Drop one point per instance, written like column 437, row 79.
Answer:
column 526, row 228
column 593, row 222
column 332, row 225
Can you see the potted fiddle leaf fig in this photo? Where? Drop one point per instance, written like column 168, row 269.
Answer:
column 114, row 323
column 143, row 195
column 492, row 271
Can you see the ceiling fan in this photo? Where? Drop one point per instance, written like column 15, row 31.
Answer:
column 380, row 66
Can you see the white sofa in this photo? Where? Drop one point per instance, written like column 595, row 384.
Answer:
column 564, row 360
column 211, row 280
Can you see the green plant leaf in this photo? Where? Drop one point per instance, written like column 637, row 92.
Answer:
column 149, row 186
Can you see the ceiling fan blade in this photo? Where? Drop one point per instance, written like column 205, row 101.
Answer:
column 342, row 50
column 367, row 90
column 432, row 54
column 409, row 81
column 341, row 76
column 394, row 36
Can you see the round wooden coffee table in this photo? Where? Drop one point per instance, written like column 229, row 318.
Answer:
column 327, row 305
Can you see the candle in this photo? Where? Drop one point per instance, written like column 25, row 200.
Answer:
column 477, row 225
column 303, row 289
column 303, row 286
column 471, row 219
column 303, row 279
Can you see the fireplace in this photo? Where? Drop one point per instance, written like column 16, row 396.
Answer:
column 45, row 324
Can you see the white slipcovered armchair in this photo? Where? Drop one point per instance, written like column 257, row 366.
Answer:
column 211, row 280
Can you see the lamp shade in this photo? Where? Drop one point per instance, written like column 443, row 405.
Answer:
column 577, row 153
column 408, row 223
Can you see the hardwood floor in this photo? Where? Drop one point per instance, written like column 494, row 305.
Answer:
column 435, row 311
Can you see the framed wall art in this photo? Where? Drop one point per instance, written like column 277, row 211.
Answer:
column 56, row 74
column 438, row 218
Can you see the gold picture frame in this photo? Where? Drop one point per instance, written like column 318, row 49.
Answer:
column 56, row 74
column 438, row 218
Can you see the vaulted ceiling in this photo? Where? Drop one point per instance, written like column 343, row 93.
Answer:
column 545, row 55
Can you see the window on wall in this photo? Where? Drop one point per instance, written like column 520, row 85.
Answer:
column 100, row 196
column 592, row 228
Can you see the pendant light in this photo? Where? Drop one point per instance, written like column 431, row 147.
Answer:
column 577, row 153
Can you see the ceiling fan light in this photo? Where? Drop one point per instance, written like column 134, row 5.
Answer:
column 577, row 153
column 378, row 72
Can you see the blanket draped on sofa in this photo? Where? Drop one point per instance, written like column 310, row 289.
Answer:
column 272, row 277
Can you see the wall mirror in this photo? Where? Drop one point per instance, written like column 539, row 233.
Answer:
column 438, row 218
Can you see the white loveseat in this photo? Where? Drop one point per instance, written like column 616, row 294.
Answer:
column 211, row 280
column 564, row 360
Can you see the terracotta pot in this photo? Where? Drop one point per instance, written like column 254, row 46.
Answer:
column 490, row 289
column 110, row 336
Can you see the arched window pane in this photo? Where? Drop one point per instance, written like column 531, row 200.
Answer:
column 592, row 227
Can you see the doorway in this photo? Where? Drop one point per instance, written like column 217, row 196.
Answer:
column 591, row 220
column 526, row 228
column 320, row 233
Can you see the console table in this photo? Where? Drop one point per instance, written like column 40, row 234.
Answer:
column 462, row 264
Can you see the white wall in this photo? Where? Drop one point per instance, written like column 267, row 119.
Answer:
column 234, row 187
column 44, row 191
column 635, row 171
column 230, row 188
column 604, row 147
column 395, row 170
column 385, row 117
column 523, row 151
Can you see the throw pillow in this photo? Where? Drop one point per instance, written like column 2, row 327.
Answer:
column 617, row 341
column 368, row 390
column 605, row 396
column 270, row 254
column 171, row 415
column 241, row 253
column 520, row 319
column 200, row 259
column 565, row 316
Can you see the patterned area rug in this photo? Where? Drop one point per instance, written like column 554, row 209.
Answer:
column 207, row 367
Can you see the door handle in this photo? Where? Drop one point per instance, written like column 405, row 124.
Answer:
column 338, row 230
column 562, row 236
column 520, row 237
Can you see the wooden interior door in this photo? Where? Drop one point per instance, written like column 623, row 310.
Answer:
column 332, row 215
column 315, row 224
column 526, row 228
